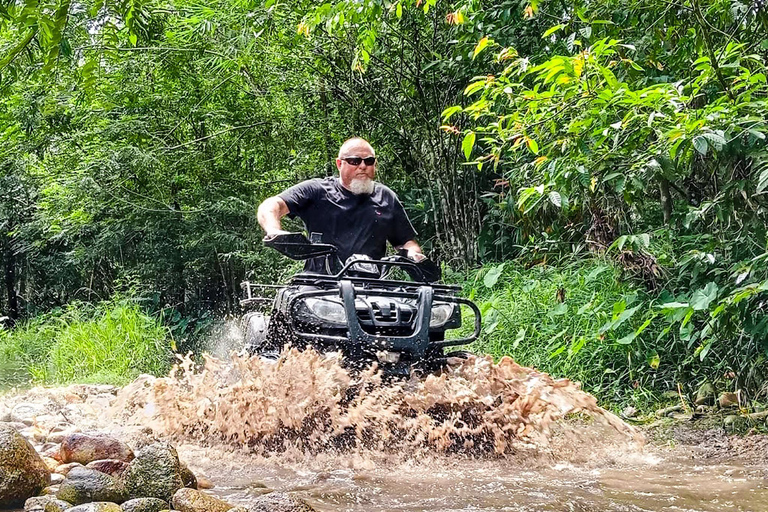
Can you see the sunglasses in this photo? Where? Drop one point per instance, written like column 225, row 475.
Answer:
column 356, row 160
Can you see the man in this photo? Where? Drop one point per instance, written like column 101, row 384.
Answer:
column 352, row 212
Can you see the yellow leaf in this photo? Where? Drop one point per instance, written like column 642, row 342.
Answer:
column 528, row 12
column 593, row 184
column 480, row 45
column 540, row 160
column 578, row 65
column 303, row 29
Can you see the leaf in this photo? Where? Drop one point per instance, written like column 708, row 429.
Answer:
column 762, row 182
column 448, row 112
column 654, row 361
column 474, row 87
column 701, row 299
column 626, row 340
column 552, row 30
column 467, row 144
column 399, row 10
column 715, row 140
column 520, row 337
column 133, row 38
column 555, row 199
column 674, row 305
column 532, row 145
column 492, row 276
column 480, row 46
column 700, row 144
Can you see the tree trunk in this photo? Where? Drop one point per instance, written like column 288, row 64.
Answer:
column 666, row 199
column 9, row 261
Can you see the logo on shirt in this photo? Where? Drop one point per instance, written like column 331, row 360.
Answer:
column 377, row 212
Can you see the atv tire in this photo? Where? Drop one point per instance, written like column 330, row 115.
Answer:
column 254, row 332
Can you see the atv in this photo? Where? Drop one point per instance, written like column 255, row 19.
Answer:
column 357, row 310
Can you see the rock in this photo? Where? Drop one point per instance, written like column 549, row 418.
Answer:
column 37, row 503
column 33, row 434
column 5, row 414
column 84, row 485
column 703, row 409
column 758, row 417
column 191, row 500
column 58, row 434
column 204, row 483
column 26, row 412
column 85, row 448
column 56, row 478
column 705, row 395
column 188, row 478
column 144, row 505
column 57, row 505
column 50, row 490
column 728, row 400
column 629, row 412
column 97, row 506
column 23, row 474
column 734, row 422
column 50, row 463
column 63, row 469
column 16, row 425
column 154, row 473
column 278, row 502
column 112, row 467
column 668, row 410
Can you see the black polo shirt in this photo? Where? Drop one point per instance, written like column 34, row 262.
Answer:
column 355, row 224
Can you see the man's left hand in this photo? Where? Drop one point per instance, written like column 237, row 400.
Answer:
column 416, row 256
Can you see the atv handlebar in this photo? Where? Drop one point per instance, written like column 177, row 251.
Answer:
column 298, row 247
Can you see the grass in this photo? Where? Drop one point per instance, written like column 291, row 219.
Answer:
column 110, row 342
column 577, row 321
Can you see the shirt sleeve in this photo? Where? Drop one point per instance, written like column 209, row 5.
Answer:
column 401, row 230
column 299, row 197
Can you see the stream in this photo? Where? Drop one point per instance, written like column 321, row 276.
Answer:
column 482, row 435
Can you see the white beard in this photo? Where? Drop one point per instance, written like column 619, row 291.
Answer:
column 362, row 186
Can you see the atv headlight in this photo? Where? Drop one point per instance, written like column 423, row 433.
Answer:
column 440, row 314
column 327, row 310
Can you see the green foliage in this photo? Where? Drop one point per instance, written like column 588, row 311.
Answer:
column 111, row 342
column 137, row 138
column 573, row 321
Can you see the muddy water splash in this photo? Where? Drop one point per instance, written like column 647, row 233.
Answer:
column 307, row 401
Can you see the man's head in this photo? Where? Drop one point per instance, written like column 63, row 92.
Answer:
column 357, row 166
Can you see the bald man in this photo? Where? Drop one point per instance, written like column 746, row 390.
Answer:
column 352, row 211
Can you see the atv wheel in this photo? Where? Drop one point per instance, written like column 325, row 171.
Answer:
column 254, row 332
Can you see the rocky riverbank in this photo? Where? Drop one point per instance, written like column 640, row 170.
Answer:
column 54, row 458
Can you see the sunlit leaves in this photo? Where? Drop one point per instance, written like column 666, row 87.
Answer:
column 468, row 143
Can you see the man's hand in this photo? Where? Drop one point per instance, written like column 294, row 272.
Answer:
column 416, row 256
column 414, row 250
column 275, row 232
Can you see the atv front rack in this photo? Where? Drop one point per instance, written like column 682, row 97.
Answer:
column 416, row 343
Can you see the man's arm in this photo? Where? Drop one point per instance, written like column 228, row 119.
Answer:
column 414, row 250
column 270, row 212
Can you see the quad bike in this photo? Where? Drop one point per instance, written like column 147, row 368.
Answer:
column 358, row 311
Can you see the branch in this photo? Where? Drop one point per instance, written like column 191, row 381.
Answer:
column 8, row 59
column 227, row 130
column 710, row 50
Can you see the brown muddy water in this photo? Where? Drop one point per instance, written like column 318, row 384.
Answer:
column 481, row 436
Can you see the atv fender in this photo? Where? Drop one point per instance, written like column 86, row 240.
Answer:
column 254, row 332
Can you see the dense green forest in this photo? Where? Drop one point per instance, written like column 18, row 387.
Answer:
column 595, row 172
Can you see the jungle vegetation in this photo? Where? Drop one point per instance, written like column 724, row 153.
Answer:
column 594, row 171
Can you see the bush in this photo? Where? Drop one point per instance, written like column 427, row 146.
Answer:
column 577, row 320
column 111, row 342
